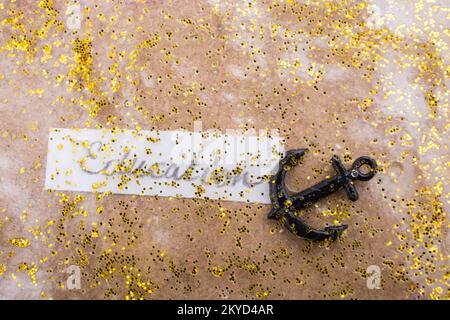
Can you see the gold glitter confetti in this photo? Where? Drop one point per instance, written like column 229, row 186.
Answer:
column 20, row 242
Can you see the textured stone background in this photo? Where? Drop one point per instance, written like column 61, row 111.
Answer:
column 339, row 77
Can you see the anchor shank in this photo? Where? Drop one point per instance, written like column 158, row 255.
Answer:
column 320, row 190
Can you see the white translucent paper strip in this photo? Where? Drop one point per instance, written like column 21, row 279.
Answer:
column 163, row 163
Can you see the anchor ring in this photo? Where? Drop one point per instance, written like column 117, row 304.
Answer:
column 357, row 171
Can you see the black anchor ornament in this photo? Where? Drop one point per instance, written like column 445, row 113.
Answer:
column 286, row 206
